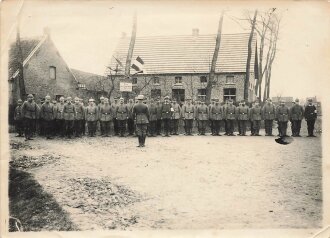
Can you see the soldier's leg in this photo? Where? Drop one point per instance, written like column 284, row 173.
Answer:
column 271, row 127
column 258, row 127
column 285, row 126
column 298, row 127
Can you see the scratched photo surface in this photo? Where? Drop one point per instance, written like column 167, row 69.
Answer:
column 127, row 116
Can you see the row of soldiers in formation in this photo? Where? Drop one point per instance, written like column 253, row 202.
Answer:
column 70, row 118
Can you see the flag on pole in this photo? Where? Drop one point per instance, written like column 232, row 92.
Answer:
column 138, row 65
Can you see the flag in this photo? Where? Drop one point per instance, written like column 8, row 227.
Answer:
column 138, row 65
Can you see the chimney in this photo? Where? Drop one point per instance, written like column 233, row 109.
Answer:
column 123, row 35
column 47, row 31
column 195, row 31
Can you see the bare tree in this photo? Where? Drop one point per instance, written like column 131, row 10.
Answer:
column 19, row 60
column 210, row 82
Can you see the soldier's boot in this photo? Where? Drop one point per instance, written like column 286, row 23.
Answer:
column 143, row 140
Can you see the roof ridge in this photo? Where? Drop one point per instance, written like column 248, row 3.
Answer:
column 241, row 33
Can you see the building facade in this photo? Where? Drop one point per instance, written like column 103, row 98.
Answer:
column 179, row 66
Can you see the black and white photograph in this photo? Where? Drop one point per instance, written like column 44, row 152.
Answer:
column 164, row 118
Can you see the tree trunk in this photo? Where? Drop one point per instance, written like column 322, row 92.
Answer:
column 248, row 61
column 130, row 49
column 214, row 62
column 20, row 60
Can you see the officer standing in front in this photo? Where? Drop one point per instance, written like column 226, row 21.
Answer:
column 310, row 117
column 141, row 116
column 29, row 112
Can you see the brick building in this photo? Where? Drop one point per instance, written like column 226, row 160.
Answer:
column 46, row 72
column 179, row 66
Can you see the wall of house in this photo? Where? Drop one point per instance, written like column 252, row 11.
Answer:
column 191, row 84
column 37, row 74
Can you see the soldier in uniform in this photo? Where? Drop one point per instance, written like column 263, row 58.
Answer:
column 47, row 113
column 256, row 116
column 130, row 121
column 29, row 112
column 141, row 116
column 106, row 116
column 296, row 115
column 83, row 123
column 166, row 115
column 41, row 124
column 114, row 105
column 98, row 107
column 175, row 117
column 310, row 117
column 230, row 117
column 224, row 107
column 79, row 117
column 242, row 113
column 188, row 116
column 121, row 117
column 18, row 118
column 152, row 118
column 159, row 116
column 216, row 112
column 59, row 117
column 211, row 116
column 282, row 116
column 69, row 116
column 197, row 104
column 91, row 115
column 202, row 117
column 268, row 114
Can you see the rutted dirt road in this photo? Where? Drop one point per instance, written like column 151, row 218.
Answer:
column 181, row 182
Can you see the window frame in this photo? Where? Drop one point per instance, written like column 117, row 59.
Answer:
column 178, row 79
column 156, row 81
column 204, row 77
column 134, row 80
column 232, row 77
column 230, row 96
column 50, row 72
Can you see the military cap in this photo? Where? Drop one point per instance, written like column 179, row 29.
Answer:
column 76, row 98
column 282, row 101
column 47, row 97
column 106, row 99
column 91, row 100
column 166, row 97
column 30, row 96
column 19, row 100
column 121, row 98
column 69, row 98
column 140, row 97
column 297, row 100
column 101, row 98
column 310, row 100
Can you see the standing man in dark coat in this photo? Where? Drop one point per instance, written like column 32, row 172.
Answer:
column 242, row 114
column 282, row 116
column 91, row 115
column 115, row 122
column 69, row 116
column 216, row 112
column 268, row 114
column 106, row 117
column 230, row 117
column 29, row 112
column 202, row 116
column 141, row 116
column 296, row 115
column 256, row 117
column 188, row 115
column 18, row 118
column 159, row 116
column 175, row 117
column 310, row 116
column 47, row 113
column 166, row 115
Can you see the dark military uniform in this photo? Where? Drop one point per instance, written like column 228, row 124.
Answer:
column 166, row 116
column 115, row 122
column 152, row 119
column 130, row 120
column 188, row 115
column 29, row 112
column 141, row 115
column 59, row 120
column 230, row 116
column 268, row 114
column 159, row 118
column 282, row 116
column 310, row 116
column 121, row 116
column 217, row 114
column 242, row 114
column 212, row 126
column 296, row 115
column 47, row 113
column 202, row 113
column 69, row 116
column 79, row 119
column 256, row 116
column 106, row 115
column 91, row 115
column 101, row 125
column 18, row 118
column 176, row 115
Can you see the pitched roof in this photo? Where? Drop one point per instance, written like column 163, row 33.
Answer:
column 187, row 53
column 92, row 81
column 27, row 45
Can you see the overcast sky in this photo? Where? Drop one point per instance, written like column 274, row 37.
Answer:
column 86, row 33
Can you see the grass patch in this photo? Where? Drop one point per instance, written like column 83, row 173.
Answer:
column 36, row 209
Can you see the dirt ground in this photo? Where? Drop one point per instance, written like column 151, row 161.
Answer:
column 198, row 182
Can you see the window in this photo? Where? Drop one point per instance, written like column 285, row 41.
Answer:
column 81, row 86
column 52, row 72
column 155, row 93
column 178, row 94
column 178, row 80
column 134, row 80
column 230, row 79
column 229, row 93
column 156, row 80
column 201, row 93
column 203, row 79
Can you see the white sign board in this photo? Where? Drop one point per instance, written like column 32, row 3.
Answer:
column 125, row 87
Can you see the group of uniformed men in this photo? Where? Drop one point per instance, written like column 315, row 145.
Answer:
column 70, row 118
